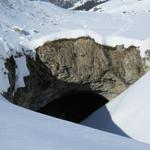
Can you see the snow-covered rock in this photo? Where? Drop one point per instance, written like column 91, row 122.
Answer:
column 29, row 24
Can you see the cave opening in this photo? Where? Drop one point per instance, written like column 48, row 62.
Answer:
column 74, row 106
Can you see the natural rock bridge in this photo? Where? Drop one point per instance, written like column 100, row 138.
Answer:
column 70, row 77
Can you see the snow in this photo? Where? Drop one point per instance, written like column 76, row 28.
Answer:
column 125, row 6
column 62, row 35
column 129, row 113
column 21, row 71
column 4, row 51
column 27, row 130
column 26, row 25
column 110, row 40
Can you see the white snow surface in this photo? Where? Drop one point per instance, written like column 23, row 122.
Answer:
column 28, row 24
column 128, row 114
column 21, row 72
column 21, row 129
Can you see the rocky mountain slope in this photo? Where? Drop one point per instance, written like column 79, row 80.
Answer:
column 64, row 3
column 78, row 4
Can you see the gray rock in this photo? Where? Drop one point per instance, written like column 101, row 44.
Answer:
column 146, row 61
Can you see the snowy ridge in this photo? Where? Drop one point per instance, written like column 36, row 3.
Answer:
column 124, row 6
column 87, row 4
column 110, row 40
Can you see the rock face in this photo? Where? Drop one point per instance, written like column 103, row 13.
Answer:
column 146, row 61
column 72, row 65
column 64, row 3
column 90, row 4
column 77, row 4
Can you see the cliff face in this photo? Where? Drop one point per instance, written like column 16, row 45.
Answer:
column 78, row 4
column 64, row 3
column 72, row 65
column 146, row 61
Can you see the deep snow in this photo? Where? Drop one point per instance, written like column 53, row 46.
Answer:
column 129, row 112
column 21, row 129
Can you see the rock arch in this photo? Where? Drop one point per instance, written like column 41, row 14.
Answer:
column 70, row 65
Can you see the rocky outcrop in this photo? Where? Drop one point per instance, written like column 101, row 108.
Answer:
column 87, row 5
column 64, row 3
column 68, row 65
column 77, row 4
column 146, row 61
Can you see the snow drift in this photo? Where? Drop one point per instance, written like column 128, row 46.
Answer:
column 128, row 114
column 27, row 130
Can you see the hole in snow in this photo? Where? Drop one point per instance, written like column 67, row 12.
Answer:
column 74, row 106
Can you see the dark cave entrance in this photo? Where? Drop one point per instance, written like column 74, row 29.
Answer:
column 74, row 106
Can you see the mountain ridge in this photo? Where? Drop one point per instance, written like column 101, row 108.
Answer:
column 78, row 4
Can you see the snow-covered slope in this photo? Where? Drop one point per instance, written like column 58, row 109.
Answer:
column 21, row 129
column 127, row 114
column 124, row 6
